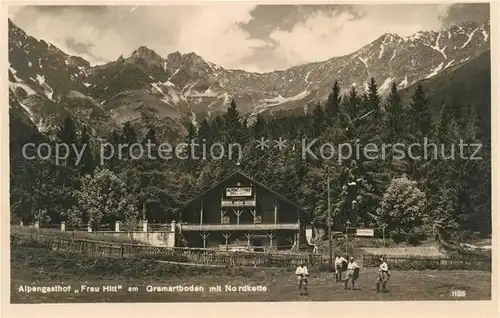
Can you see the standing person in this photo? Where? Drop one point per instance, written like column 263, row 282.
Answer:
column 383, row 274
column 339, row 264
column 302, row 275
column 352, row 273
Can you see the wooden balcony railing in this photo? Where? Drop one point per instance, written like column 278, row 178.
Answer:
column 238, row 227
column 238, row 203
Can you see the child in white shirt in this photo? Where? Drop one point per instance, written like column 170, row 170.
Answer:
column 352, row 273
column 383, row 275
column 339, row 263
column 302, row 275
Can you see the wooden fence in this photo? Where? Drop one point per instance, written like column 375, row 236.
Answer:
column 187, row 255
column 429, row 262
column 234, row 259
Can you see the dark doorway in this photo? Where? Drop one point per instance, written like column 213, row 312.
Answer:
column 258, row 245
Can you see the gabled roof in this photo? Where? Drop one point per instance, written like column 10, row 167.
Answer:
column 281, row 197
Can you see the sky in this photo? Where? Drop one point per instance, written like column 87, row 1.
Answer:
column 257, row 38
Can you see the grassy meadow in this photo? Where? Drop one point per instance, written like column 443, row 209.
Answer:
column 39, row 267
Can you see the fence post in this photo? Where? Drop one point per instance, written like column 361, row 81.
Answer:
column 145, row 225
column 63, row 226
column 89, row 227
column 117, row 226
column 37, row 224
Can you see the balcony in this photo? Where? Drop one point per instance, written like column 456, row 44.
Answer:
column 238, row 203
column 239, row 227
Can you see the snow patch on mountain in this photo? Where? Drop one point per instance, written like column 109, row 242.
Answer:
column 386, row 85
column 280, row 99
column 469, row 38
column 437, row 48
column 13, row 71
column 404, row 82
column 173, row 74
column 174, row 97
column 485, row 34
column 31, row 115
column 435, row 71
column 29, row 91
column 381, row 51
column 364, row 61
column 393, row 54
column 77, row 94
column 226, row 98
column 306, row 79
column 193, row 120
column 450, row 63
column 49, row 92
column 207, row 93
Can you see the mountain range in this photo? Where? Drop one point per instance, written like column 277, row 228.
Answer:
column 148, row 90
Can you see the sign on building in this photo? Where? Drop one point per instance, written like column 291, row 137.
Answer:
column 239, row 192
column 364, row 232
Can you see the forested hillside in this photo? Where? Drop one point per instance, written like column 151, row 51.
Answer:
column 405, row 195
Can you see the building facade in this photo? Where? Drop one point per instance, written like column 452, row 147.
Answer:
column 240, row 213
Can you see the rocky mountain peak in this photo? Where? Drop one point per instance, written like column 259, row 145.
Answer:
column 193, row 60
column 174, row 59
column 146, row 54
column 187, row 87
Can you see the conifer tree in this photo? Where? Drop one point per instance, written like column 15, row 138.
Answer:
column 259, row 127
column 333, row 104
column 206, row 132
column 88, row 160
column 67, row 134
column 421, row 114
column 349, row 114
column 373, row 100
column 394, row 129
column 318, row 118
column 234, row 131
column 190, row 162
column 129, row 134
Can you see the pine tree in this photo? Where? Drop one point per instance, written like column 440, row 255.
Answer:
column 333, row 104
column 152, row 158
column 319, row 120
column 129, row 134
column 440, row 179
column 421, row 123
column 259, row 127
column 111, row 151
column 67, row 134
column 395, row 117
column 421, row 114
column 218, row 128
column 349, row 114
column 88, row 160
column 234, row 131
column 373, row 100
column 206, row 132
column 191, row 163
